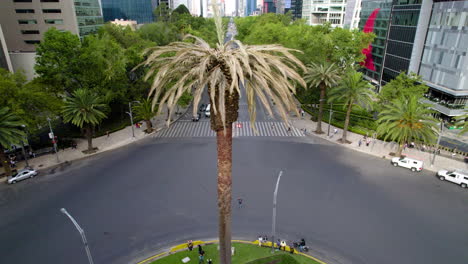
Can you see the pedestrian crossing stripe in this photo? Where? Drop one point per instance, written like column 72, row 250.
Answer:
column 183, row 129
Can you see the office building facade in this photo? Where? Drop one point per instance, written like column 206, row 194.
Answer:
column 425, row 37
column 5, row 62
column 269, row 6
column 352, row 14
column 250, row 7
column 317, row 12
column 137, row 10
column 296, row 8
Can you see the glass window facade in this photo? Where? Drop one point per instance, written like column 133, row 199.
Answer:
column 444, row 62
column 139, row 10
column 88, row 15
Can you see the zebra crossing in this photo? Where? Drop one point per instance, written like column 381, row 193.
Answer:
column 183, row 129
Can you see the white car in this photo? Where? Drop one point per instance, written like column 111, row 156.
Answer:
column 453, row 176
column 21, row 175
column 207, row 110
column 409, row 163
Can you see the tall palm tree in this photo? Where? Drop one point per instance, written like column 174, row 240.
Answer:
column 86, row 109
column 323, row 76
column 353, row 90
column 267, row 72
column 406, row 119
column 145, row 111
column 11, row 132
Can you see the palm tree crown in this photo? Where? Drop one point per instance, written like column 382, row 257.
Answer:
column 83, row 107
column 322, row 76
column 353, row 90
column 11, row 131
column 406, row 119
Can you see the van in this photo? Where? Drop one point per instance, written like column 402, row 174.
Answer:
column 409, row 163
column 207, row 110
column 453, row 176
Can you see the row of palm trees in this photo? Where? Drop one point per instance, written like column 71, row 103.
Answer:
column 402, row 120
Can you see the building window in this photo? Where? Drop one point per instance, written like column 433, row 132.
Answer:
column 29, row 32
column 51, row 11
column 54, row 21
column 32, row 41
column 23, row 11
column 27, row 21
column 22, row 1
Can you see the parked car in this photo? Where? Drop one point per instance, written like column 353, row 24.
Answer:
column 453, row 176
column 21, row 175
column 409, row 163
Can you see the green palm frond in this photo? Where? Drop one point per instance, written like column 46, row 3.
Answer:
column 326, row 74
column 11, row 130
column 144, row 110
column 353, row 90
column 407, row 119
column 84, row 107
column 266, row 71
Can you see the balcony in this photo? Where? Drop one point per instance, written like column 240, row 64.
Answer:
column 445, row 108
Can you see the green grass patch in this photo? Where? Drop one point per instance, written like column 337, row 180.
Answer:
column 244, row 254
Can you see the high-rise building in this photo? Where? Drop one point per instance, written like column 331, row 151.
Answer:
column 250, row 7
column 138, row 10
column 269, row 6
column 317, row 12
column 24, row 23
column 4, row 56
column 352, row 14
column 425, row 37
column 296, row 8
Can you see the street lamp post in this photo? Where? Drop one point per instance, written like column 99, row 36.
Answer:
column 131, row 116
column 22, row 149
column 83, row 236
column 329, row 118
column 53, row 138
column 438, row 142
column 273, row 228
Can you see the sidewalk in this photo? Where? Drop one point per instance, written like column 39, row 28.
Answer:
column 377, row 147
column 103, row 143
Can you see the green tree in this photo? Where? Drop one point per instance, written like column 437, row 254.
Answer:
column 57, row 61
column 32, row 102
column 180, row 10
column 11, row 132
column 266, row 72
column 404, row 85
column 323, row 76
column 84, row 109
column 145, row 111
column 160, row 33
column 353, row 90
column 162, row 13
column 406, row 119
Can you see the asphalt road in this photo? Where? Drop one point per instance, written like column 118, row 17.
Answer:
column 134, row 201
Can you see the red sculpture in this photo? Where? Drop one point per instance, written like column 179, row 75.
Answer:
column 369, row 27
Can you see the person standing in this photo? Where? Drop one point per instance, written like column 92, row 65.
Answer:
column 200, row 250
column 360, row 142
column 260, row 240
column 367, row 142
column 201, row 258
column 190, row 245
column 239, row 202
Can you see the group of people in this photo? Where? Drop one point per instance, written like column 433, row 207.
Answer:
column 366, row 140
column 201, row 253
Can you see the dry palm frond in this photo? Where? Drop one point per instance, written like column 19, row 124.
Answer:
column 266, row 71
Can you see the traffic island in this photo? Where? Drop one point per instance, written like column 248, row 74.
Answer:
column 244, row 252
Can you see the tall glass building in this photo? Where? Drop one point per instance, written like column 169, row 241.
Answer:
column 88, row 16
column 138, row 10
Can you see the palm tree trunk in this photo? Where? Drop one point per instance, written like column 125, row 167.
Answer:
column 4, row 161
column 399, row 150
column 224, row 146
column 89, row 136
column 320, row 113
column 346, row 123
column 149, row 126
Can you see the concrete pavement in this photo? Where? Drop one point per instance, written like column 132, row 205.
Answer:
column 378, row 147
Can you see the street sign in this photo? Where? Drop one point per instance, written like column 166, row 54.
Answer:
column 51, row 135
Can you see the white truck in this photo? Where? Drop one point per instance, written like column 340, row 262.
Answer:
column 409, row 163
column 453, row 176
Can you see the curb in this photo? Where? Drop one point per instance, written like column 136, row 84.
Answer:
column 183, row 247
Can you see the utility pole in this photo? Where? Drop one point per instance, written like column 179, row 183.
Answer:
column 131, row 116
column 329, row 118
column 438, row 142
column 83, row 236
column 273, row 228
column 22, row 149
column 52, row 136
